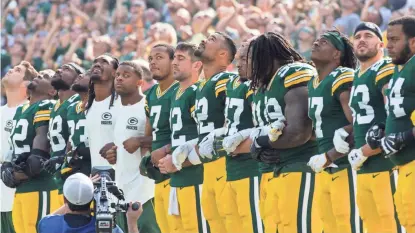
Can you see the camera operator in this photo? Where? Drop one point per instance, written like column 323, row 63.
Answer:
column 75, row 216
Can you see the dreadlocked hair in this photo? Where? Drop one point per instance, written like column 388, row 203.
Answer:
column 91, row 95
column 348, row 59
column 265, row 50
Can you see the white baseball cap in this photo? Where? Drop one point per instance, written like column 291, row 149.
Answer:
column 78, row 189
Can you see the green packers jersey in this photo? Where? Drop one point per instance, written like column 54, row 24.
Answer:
column 325, row 109
column 158, row 111
column 210, row 104
column 26, row 121
column 184, row 128
column 367, row 105
column 286, row 78
column 258, row 115
column 58, row 126
column 238, row 114
column 76, row 123
column 400, row 106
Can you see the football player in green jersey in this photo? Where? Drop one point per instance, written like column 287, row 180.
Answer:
column 158, row 102
column 185, row 182
column 36, row 193
column 242, row 187
column 78, row 156
column 375, row 178
column 216, row 53
column 280, row 72
column 398, row 141
column 58, row 124
column 329, row 93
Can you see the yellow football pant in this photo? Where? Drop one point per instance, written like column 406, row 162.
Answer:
column 191, row 219
column 29, row 208
column 375, row 201
column 295, row 203
column 161, row 205
column 336, row 198
column 241, row 206
column 214, row 182
column 405, row 196
column 268, row 201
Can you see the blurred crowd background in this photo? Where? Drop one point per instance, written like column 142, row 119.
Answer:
column 49, row 33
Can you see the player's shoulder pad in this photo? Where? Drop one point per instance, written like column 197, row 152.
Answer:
column 383, row 68
column 46, row 104
column 296, row 73
column 74, row 98
column 341, row 76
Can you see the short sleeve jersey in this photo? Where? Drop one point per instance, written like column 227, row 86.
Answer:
column 158, row 111
column 184, row 128
column 210, row 104
column 325, row 109
column 400, row 106
column 258, row 115
column 288, row 77
column 58, row 126
column 77, row 123
column 26, row 121
column 368, row 107
column 238, row 116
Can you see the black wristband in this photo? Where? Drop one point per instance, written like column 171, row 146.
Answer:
column 408, row 137
column 263, row 142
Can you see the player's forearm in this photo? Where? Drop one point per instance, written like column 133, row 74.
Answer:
column 293, row 136
column 367, row 151
column 145, row 141
column 348, row 128
column 333, row 155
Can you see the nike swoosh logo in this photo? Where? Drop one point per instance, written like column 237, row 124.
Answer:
column 166, row 185
column 408, row 174
column 181, row 188
column 333, row 179
column 375, row 175
column 284, row 175
column 218, row 178
column 269, row 179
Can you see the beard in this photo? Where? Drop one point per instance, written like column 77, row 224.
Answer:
column 404, row 55
column 78, row 88
column 31, row 86
column 368, row 55
column 95, row 77
column 59, row 84
column 198, row 52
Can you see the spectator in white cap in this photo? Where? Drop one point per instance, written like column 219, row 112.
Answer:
column 75, row 215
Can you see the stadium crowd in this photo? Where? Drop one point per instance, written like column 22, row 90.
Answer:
column 51, row 33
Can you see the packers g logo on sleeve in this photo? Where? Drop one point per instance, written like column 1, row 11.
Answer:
column 9, row 126
column 106, row 118
column 132, row 122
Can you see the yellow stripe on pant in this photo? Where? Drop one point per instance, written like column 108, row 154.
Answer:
column 29, row 208
column 375, row 201
column 161, row 205
column 405, row 196
column 336, row 197
column 268, row 201
column 214, row 181
column 295, row 203
column 190, row 218
column 242, row 206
